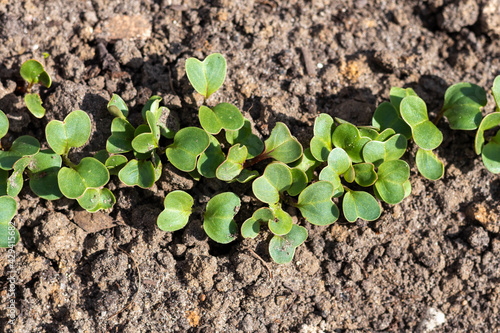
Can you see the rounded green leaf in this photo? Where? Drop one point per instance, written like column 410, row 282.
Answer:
column 359, row 204
column 282, row 248
column 377, row 152
column 4, row 124
column 117, row 107
column 44, row 168
column 321, row 143
column 368, row 132
column 386, row 134
column 122, row 134
column 392, row 176
column 233, row 164
column 115, row 163
column 210, row 159
column 246, row 175
column 462, row 105
column 386, row 116
column 70, row 183
column 407, row 187
column 188, row 144
column 218, row 218
column 490, row 121
column 229, row 116
column 396, row 95
column 277, row 178
column 153, row 126
column 245, row 137
column 208, row 76
column 32, row 71
column 491, row 154
column 251, row 227
column 178, row 208
column 426, row 135
column 364, row 174
column 144, row 143
column 281, row 223
column 95, row 199
column 138, row 172
column 73, row 132
column 282, row 146
column 208, row 120
column 152, row 104
column 23, row 146
column 90, row 173
column 34, row 104
column 347, row 137
column 429, row 165
column 8, row 209
column 316, row 205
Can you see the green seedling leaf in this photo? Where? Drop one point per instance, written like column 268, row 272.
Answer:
column 359, row 204
column 33, row 72
column 34, row 104
column 396, row 95
column 347, row 137
column 462, row 105
column 490, row 121
column 9, row 235
column 495, row 90
column 377, row 152
column 321, row 143
column 247, row 175
column 392, row 176
column 144, row 143
column 122, row 134
column 178, row 208
column 368, row 132
column 210, row 159
column 251, row 227
column 426, row 135
column 350, row 174
column 153, row 126
column 208, row 76
column 281, row 223
column 306, row 163
column 299, row 182
column 117, row 107
column 15, row 181
column 429, row 165
column 385, row 134
column 282, row 248
column 95, row 199
column 158, row 166
column 222, row 116
column 72, row 133
column 138, row 172
column 491, row 154
column 386, row 116
column 23, row 146
column 245, row 137
column 152, row 104
column 188, row 144
column 276, row 179
column 4, row 124
column 90, row 173
column 316, row 205
column 218, row 218
column 115, row 163
column 338, row 163
column 44, row 167
column 282, row 146
column 364, row 174
column 233, row 164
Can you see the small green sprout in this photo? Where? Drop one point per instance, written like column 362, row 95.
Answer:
column 207, row 76
column 9, row 236
column 211, row 159
column 138, row 172
column 245, row 137
column 462, row 105
column 74, row 132
column 281, row 145
column 33, row 72
column 347, row 137
column 360, row 204
column 282, row 248
column 392, row 175
column 316, row 205
column 189, row 143
column 276, row 179
column 386, row 116
column 218, row 220
column 178, row 208
column 23, row 146
column 88, row 174
column 321, row 143
column 222, row 116
column 233, row 165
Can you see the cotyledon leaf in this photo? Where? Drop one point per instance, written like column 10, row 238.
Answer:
column 178, row 207
column 218, row 220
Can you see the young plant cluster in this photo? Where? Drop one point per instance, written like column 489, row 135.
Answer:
column 343, row 160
